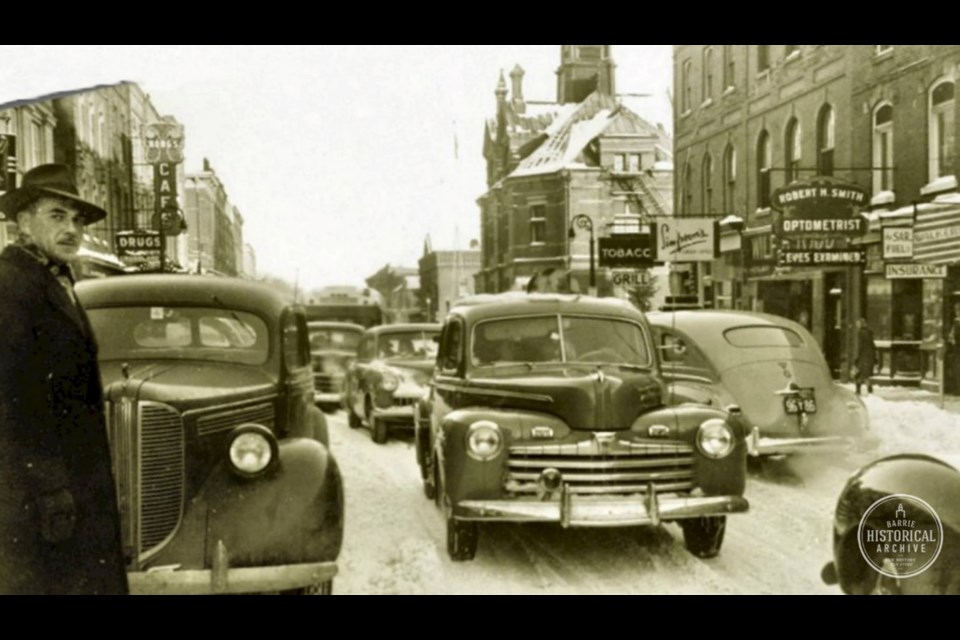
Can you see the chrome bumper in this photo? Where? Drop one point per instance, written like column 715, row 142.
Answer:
column 223, row 579
column 401, row 412
column 327, row 397
column 579, row 511
column 758, row 446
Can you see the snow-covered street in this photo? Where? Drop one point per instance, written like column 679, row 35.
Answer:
column 395, row 539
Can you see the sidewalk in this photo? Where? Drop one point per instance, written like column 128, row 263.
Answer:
column 910, row 420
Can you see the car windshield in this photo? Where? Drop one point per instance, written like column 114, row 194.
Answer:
column 559, row 339
column 339, row 339
column 180, row 333
column 407, row 345
column 762, row 336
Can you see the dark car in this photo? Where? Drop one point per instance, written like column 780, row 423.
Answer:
column 225, row 479
column 390, row 375
column 769, row 366
column 551, row 408
column 333, row 347
column 896, row 529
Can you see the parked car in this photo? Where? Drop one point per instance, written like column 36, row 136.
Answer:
column 889, row 501
column 770, row 367
column 225, row 478
column 333, row 347
column 551, row 408
column 390, row 374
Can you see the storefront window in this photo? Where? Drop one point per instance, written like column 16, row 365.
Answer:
column 879, row 297
column 932, row 310
column 907, row 309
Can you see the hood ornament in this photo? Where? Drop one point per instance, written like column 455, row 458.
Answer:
column 125, row 370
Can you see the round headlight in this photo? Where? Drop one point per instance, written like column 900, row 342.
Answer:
column 389, row 381
column 484, row 440
column 253, row 450
column 715, row 438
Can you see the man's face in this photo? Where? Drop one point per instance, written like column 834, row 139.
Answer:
column 55, row 226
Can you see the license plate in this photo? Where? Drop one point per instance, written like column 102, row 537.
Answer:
column 803, row 401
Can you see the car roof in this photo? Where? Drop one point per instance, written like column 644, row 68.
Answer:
column 516, row 303
column 405, row 326
column 707, row 326
column 180, row 289
column 320, row 324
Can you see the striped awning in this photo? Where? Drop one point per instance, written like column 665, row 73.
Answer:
column 936, row 231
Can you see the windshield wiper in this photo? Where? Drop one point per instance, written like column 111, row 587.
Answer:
column 233, row 314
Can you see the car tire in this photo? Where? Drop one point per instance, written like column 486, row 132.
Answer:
column 461, row 539
column 320, row 589
column 379, row 427
column 353, row 419
column 703, row 537
column 429, row 481
column 329, row 407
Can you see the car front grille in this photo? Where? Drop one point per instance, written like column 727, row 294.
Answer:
column 261, row 413
column 326, row 383
column 404, row 401
column 147, row 447
column 592, row 467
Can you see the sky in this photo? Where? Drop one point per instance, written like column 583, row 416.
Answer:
column 341, row 158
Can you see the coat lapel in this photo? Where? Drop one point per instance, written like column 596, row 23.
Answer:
column 56, row 295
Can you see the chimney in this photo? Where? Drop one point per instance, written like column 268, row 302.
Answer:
column 206, row 165
column 516, row 91
column 474, row 243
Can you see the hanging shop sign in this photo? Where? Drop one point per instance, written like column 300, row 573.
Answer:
column 897, row 243
column 821, row 206
column 915, row 270
column 758, row 254
column 936, row 236
column 822, row 258
column 687, row 239
column 636, row 250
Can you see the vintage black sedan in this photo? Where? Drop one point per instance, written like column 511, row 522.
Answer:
column 896, row 529
column 389, row 376
column 769, row 366
column 551, row 408
column 333, row 347
column 225, row 479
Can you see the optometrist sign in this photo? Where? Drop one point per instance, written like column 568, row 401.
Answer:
column 821, row 206
column 684, row 239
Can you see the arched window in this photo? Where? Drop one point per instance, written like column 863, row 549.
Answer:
column 686, row 90
column 706, row 184
column 883, row 148
column 792, row 153
column 729, row 178
column 825, row 140
column 707, row 73
column 764, row 155
column 686, row 203
column 941, row 122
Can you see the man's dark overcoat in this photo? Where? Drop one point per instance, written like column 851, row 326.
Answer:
column 52, row 438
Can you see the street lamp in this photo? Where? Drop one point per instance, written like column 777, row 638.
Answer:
column 584, row 221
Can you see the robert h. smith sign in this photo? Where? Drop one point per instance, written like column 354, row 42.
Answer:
column 819, row 207
column 684, row 239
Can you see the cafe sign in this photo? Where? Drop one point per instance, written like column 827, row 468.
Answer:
column 821, row 206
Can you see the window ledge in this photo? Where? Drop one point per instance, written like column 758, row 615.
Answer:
column 794, row 55
column 762, row 211
column 730, row 89
column 706, row 103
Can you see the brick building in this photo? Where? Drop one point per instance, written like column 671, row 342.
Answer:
column 547, row 162
column 445, row 277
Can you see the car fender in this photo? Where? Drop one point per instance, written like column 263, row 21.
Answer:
column 318, row 425
column 293, row 514
column 467, row 478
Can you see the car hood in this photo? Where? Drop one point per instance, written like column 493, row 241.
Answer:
column 185, row 383
column 753, row 387
column 585, row 397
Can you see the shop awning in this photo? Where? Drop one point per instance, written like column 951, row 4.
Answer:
column 936, row 230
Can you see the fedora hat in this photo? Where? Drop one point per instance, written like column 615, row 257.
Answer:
column 53, row 180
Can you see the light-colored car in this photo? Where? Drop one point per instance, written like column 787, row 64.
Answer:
column 769, row 367
column 391, row 373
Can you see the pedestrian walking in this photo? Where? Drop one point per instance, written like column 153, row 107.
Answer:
column 59, row 522
column 552, row 280
column 865, row 356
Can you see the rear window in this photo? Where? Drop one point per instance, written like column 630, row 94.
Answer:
column 763, row 337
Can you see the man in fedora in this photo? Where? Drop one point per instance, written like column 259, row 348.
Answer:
column 59, row 522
